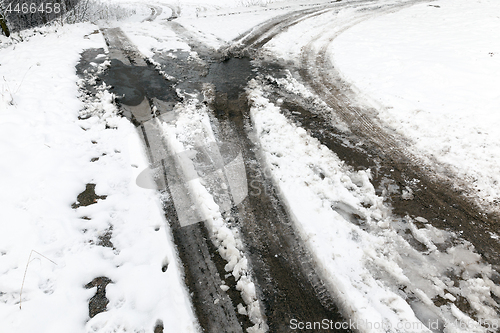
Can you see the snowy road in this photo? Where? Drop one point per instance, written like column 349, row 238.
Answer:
column 273, row 239
column 279, row 262
column 391, row 150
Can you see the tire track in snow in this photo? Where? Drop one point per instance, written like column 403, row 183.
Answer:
column 285, row 272
column 155, row 12
column 213, row 306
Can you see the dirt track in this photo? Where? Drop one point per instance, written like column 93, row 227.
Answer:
column 288, row 284
column 435, row 195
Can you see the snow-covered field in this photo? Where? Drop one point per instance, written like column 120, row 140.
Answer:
column 47, row 155
column 432, row 73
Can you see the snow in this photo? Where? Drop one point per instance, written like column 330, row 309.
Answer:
column 142, row 37
column 360, row 248
column 51, row 144
column 227, row 24
column 46, row 162
column 217, row 22
column 239, row 21
column 392, row 61
column 431, row 71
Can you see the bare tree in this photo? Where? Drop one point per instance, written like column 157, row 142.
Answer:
column 95, row 10
column 3, row 21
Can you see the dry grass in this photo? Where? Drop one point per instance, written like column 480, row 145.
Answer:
column 26, row 271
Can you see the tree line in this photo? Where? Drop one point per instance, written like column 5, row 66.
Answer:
column 40, row 12
column 17, row 15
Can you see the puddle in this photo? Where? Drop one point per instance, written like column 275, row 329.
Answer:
column 131, row 84
column 231, row 76
column 89, row 63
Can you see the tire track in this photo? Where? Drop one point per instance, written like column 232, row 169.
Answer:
column 155, row 12
column 435, row 196
column 285, row 271
column 287, row 278
column 322, row 77
column 202, row 263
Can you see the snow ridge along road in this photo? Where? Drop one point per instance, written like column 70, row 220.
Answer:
column 435, row 185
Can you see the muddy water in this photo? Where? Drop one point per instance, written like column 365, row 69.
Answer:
column 131, row 84
column 231, row 76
